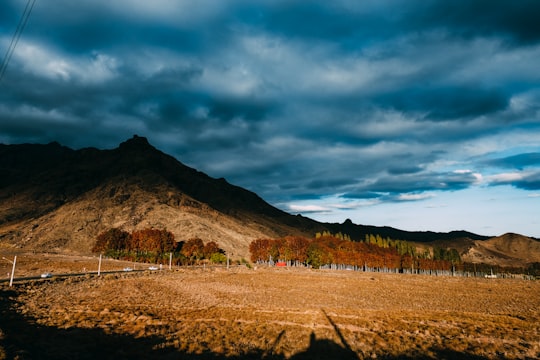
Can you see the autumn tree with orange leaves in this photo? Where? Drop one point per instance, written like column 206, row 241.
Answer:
column 113, row 239
column 327, row 250
column 193, row 249
column 141, row 245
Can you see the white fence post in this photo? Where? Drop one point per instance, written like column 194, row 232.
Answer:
column 99, row 266
column 12, row 271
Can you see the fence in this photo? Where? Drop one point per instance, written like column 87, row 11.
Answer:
column 432, row 272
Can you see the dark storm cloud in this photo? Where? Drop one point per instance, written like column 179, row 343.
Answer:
column 320, row 20
column 365, row 23
column 517, row 20
column 443, row 103
column 525, row 181
column 421, row 182
column 529, row 182
column 527, row 176
column 404, row 169
column 329, row 183
column 362, row 195
column 291, row 99
column 519, row 161
column 229, row 109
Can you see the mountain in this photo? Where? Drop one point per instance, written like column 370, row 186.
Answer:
column 56, row 198
column 53, row 198
column 505, row 250
column 360, row 231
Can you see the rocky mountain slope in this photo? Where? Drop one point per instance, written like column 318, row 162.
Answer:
column 53, row 198
column 506, row 250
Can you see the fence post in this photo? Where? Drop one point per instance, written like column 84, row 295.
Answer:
column 12, row 271
column 99, row 266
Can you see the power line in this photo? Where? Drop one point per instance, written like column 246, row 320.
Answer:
column 16, row 36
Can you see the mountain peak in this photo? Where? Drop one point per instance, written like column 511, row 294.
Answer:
column 136, row 142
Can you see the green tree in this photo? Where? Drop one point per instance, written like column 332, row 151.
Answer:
column 453, row 256
column 315, row 255
column 218, row 258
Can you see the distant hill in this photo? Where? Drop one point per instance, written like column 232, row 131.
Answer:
column 506, row 250
column 360, row 231
column 53, row 198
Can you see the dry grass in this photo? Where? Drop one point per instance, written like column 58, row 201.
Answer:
column 271, row 313
column 33, row 264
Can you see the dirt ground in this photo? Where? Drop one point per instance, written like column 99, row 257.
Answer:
column 241, row 313
column 34, row 264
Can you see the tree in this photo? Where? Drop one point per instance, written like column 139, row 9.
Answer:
column 152, row 240
column 218, row 258
column 315, row 255
column 112, row 239
column 150, row 244
column 453, row 256
column 376, row 252
column 210, row 248
column 296, row 248
column 193, row 249
column 167, row 241
column 260, row 249
column 439, row 253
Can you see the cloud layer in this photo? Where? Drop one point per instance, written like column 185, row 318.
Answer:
column 365, row 102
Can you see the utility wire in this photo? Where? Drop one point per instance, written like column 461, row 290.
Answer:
column 16, row 36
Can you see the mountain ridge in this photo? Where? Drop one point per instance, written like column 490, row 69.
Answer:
column 55, row 197
column 41, row 181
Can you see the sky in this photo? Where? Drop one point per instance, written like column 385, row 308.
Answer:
column 415, row 114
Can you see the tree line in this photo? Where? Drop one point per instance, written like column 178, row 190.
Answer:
column 338, row 251
column 155, row 246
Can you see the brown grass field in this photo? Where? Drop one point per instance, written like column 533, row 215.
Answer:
column 241, row 313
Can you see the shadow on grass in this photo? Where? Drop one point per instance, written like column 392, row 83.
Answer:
column 21, row 338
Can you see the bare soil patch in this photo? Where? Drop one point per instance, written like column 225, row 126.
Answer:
column 270, row 313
